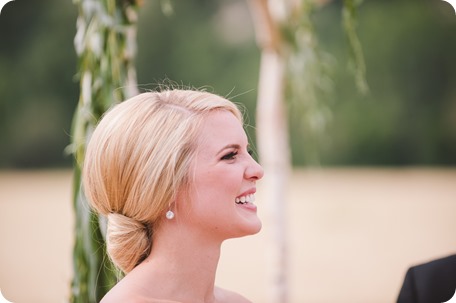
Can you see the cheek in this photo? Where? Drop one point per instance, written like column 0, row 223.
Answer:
column 224, row 186
column 215, row 187
column 214, row 193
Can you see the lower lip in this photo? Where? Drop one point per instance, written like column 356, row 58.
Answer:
column 249, row 206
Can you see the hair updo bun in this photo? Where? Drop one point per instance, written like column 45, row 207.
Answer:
column 128, row 241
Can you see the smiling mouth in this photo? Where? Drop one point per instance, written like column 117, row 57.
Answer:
column 245, row 199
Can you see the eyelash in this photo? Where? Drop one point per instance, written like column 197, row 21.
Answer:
column 232, row 155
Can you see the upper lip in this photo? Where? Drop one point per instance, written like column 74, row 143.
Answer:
column 248, row 192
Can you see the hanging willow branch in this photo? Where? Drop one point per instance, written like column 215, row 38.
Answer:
column 349, row 21
column 308, row 75
column 309, row 69
column 105, row 43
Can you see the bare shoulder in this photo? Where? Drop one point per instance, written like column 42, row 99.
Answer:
column 125, row 293
column 128, row 290
column 117, row 295
column 131, row 298
column 228, row 296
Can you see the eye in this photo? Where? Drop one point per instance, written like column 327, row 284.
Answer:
column 230, row 156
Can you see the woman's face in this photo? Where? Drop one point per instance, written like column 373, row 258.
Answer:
column 223, row 178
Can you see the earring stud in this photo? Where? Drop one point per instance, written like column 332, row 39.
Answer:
column 169, row 215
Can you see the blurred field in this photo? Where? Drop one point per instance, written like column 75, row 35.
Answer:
column 352, row 234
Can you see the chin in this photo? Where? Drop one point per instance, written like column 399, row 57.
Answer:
column 252, row 228
column 257, row 227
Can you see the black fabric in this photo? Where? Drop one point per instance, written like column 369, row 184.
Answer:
column 432, row 282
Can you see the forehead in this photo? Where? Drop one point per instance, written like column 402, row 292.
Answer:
column 221, row 128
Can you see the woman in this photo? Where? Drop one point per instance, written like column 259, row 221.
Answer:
column 173, row 174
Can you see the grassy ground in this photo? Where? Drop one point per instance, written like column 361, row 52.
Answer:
column 352, row 233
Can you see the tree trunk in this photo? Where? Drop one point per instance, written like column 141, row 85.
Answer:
column 273, row 145
column 290, row 57
column 272, row 134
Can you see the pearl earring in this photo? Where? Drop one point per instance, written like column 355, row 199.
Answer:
column 169, row 215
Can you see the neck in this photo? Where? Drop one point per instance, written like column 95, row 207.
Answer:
column 182, row 265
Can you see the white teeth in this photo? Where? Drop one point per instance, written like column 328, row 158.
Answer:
column 245, row 199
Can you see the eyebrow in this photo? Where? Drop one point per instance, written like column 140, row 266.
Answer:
column 234, row 146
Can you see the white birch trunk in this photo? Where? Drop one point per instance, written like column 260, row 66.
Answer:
column 272, row 135
column 273, row 144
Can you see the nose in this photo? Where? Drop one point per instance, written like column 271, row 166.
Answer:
column 253, row 171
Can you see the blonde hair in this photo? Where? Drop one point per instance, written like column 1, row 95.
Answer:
column 138, row 158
